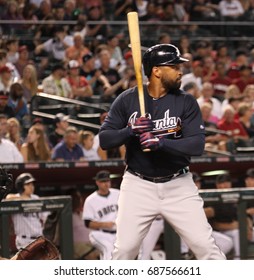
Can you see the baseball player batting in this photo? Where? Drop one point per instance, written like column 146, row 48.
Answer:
column 158, row 182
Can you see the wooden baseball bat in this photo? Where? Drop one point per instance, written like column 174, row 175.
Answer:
column 134, row 34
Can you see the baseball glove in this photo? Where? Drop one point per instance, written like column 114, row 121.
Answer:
column 39, row 249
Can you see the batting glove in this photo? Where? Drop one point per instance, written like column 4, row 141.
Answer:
column 149, row 142
column 142, row 125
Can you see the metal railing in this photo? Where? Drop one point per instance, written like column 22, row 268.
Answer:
column 117, row 26
column 45, row 105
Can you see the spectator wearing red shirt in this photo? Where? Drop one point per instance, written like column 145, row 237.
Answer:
column 245, row 78
column 241, row 58
column 209, row 71
column 79, row 85
column 221, row 81
column 238, row 136
column 229, row 123
column 223, row 55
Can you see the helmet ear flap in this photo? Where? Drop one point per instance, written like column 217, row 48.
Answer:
column 19, row 186
column 147, row 64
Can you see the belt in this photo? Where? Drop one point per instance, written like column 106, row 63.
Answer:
column 28, row 237
column 160, row 179
column 109, row 231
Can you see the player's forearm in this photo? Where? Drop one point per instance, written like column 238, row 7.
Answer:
column 114, row 138
column 190, row 146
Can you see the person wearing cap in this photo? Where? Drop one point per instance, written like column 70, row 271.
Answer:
column 80, row 87
column 159, row 145
column 94, row 76
column 127, row 64
column 27, row 226
column 99, row 214
column 61, row 124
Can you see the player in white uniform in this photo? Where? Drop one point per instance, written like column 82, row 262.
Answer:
column 27, row 226
column 99, row 214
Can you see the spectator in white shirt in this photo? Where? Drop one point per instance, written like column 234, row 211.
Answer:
column 207, row 92
column 56, row 46
column 86, row 141
column 231, row 9
column 56, row 83
column 195, row 76
column 9, row 153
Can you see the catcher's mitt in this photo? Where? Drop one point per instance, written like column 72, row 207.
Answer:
column 39, row 249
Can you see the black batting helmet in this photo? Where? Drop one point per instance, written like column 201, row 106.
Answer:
column 23, row 179
column 159, row 55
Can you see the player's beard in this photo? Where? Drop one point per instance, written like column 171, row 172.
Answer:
column 170, row 85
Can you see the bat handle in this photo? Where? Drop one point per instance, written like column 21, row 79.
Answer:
column 146, row 150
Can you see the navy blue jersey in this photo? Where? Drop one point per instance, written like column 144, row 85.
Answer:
column 177, row 120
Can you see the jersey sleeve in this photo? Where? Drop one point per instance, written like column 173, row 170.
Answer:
column 114, row 131
column 192, row 122
column 88, row 211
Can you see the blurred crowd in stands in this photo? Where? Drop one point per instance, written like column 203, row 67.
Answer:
column 79, row 49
